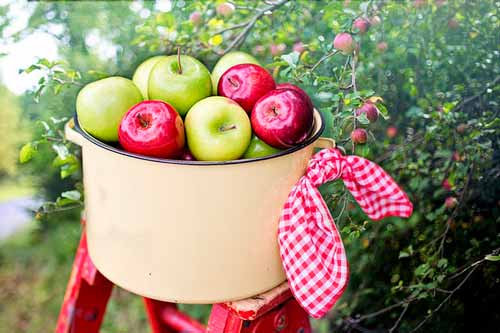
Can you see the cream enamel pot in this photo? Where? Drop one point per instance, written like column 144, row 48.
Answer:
column 187, row 231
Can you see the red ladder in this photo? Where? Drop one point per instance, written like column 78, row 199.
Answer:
column 88, row 293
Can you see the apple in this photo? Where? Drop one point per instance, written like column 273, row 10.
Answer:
column 245, row 84
column 462, row 128
column 179, row 80
column 228, row 61
column 225, row 9
column 453, row 23
column 299, row 47
column 282, row 118
column 446, row 184
column 370, row 110
column 382, row 46
column 100, row 105
column 359, row 136
column 344, row 43
column 391, row 132
column 361, row 24
column 259, row 148
column 277, row 49
column 195, row 18
column 375, row 20
column 259, row 49
column 297, row 89
column 217, row 129
column 187, row 156
column 450, row 202
column 141, row 74
column 152, row 128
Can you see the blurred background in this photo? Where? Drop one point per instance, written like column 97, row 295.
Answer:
column 434, row 63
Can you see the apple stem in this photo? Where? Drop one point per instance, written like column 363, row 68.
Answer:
column 179, row 59
column 227, row 128
column 275, row 110
column 144, row 122
column 233, row 83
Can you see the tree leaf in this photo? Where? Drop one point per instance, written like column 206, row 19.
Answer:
column 72, row 195
column 490, row 257
column 26, row 153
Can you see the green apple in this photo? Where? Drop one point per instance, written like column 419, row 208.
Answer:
column 259, row 148
column 217, row 129
column 228, row 61
column 180, row 86
column 100, row 105
column 141, row 74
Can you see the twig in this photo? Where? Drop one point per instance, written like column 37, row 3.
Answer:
column 240, row 38
column 445, row 300
column 233, row 27
column 473, row 98
column 396, row 324
column 320, row 61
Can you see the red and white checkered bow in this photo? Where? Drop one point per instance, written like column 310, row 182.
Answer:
column 311, row 249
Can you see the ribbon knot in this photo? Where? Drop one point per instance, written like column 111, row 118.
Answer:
column 311, row 249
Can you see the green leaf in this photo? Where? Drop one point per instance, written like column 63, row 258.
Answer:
column 291, row 58
column 403, row 254
column 490, row 257
column 72, row 195
column 26, row 153
column 363, row 119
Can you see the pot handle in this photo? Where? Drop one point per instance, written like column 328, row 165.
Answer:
column 323, row 142
column 71, row 134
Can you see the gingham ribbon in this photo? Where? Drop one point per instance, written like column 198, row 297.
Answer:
column 311, row 249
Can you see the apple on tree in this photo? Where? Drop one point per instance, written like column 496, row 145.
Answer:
column 227, row 61
column 370, row 110
column 217, row 129
column 179, row 80
column 245, row 84
column 152, row 128
column 282, row 118
column 100, row 106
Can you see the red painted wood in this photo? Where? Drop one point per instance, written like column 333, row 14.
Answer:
column 86, row 297
column 165, row 318
column 287, row 318
column 223, row 321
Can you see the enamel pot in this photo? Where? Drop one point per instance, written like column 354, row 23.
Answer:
column 188, row 231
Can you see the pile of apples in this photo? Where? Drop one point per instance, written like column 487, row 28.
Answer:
column 174, row 108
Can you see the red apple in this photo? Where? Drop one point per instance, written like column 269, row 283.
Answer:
column 152, row 128
column 195, row 18
column 225, row 9
column 277, row 49
column 245, row 84
column 446, row 184
column 299, row 47
column 370, row 110
column 359, row 136
column 453, row 23
column 187, row 156
column 391, row 132
column 450, row 202
column 297, row 89
column 344, row 43
column 382, row 46
column 361, row 24
column 282, row 118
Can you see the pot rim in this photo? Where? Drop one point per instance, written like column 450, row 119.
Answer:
column 106, row 146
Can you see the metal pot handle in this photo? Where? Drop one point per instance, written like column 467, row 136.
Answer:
column 323, row 142
column 73, row 135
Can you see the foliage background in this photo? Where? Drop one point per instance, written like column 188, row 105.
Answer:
column 438, row 74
